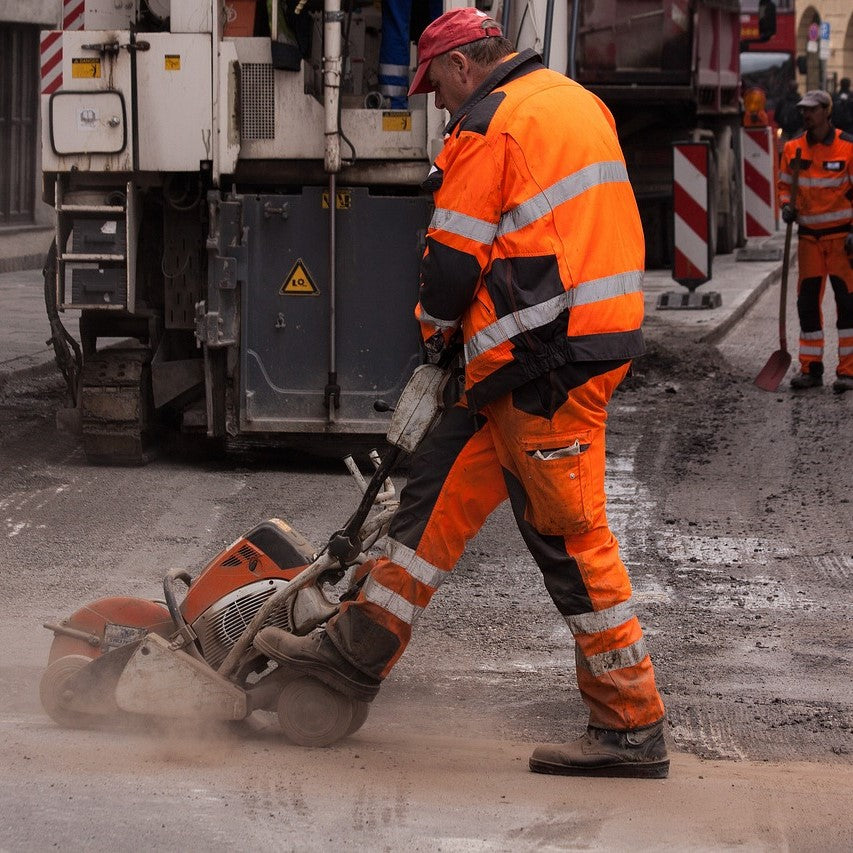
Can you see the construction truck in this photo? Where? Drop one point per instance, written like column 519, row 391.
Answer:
column 669, row 70
column 239, row 213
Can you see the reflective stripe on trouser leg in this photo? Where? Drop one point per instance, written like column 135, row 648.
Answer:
column 810, row 290
column 454, row 483
column 559, row 504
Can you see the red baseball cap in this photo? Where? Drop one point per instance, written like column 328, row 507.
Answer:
column 452, row 29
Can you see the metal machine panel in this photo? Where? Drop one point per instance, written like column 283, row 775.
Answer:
column 107, row 14
column 286, row 308
column 292, row 122
column 190, row 16
column 89, row 124
column 174, row 102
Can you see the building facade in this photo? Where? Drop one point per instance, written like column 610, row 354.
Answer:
column 825, row 71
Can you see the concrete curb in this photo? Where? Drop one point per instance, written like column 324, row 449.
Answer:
column 718, row 333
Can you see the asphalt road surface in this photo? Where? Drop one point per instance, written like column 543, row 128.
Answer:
column 733, row 511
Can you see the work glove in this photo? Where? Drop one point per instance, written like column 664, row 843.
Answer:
column 789, row 213
column 848, row 245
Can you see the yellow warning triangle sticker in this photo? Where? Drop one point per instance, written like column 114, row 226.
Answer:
column 299, row 282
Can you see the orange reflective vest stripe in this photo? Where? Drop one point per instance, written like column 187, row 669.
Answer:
column 825, row 184
column 535, row 247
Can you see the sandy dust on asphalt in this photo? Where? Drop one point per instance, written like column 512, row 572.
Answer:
column 732, row 510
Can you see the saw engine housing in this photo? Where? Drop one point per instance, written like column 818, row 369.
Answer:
column 232, row 587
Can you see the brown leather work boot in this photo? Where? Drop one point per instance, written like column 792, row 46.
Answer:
column 639, row 753
column 316, row 655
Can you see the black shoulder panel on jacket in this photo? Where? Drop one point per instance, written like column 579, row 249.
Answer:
column 846, row 136
column 479, row 119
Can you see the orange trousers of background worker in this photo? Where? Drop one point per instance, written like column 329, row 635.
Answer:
column 541, row 446
column 820, row 258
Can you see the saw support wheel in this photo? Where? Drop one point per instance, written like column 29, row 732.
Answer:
column 313, row 714
column 53, row 692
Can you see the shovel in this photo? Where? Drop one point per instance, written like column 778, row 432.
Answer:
column 774, row 371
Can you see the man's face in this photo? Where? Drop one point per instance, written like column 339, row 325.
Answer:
column 450, row 78
column 814, row 118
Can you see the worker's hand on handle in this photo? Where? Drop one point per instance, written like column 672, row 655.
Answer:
column 789, row 213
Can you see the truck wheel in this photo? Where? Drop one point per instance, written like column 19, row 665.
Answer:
column 313, row 714
column 55, row 696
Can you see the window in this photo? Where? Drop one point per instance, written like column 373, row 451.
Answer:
column 19, row 77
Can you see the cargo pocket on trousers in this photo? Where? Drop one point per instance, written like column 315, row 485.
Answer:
column 557, row 481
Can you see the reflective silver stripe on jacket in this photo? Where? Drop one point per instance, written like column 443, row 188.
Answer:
column 391, row 601
column 394, row 70
column 835, row 181
column 811, row 336
column 811, row 350
column 416, row 566
column 600, row 620
column 607, row 172
column 535, row 316
column 817, row 218
column 392, row 89
column 463, row 225
column 615, row 659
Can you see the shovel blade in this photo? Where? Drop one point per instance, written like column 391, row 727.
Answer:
column 774, row 371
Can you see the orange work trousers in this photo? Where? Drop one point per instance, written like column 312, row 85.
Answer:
column 820, row 258
column 547, row 457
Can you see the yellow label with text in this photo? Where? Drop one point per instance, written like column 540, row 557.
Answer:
column 172, row 62
column 399, row 120
column 85, row 68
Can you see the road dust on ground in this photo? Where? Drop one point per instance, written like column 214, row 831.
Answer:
column 732, row 507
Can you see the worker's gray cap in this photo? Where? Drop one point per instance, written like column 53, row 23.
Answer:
column 816, row 98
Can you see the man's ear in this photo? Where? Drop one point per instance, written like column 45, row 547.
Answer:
column 458, row 62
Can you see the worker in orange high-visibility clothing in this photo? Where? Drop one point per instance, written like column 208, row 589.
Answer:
column 823, row 209
column 535, row 253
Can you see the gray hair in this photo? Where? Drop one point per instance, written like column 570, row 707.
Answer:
column 487, row 51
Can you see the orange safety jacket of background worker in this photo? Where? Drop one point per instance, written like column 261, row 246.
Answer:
column 522, row 250
column 825, row 183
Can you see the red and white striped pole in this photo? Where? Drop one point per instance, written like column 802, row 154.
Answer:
column 759, row 193
column 691, row 163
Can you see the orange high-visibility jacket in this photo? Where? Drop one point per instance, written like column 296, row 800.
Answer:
column 535, row 247
column 825, row 183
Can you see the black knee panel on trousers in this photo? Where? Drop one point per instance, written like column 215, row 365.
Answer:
column 808, row 304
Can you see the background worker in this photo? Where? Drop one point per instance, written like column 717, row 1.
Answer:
column 823, row 209
column 401, row 24
column 535, row 252
column 842, row 106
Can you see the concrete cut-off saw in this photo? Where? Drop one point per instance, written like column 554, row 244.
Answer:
column 191, row 655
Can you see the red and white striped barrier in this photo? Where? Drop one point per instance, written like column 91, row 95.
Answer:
column 50, row 61
column 759, row 193
column 72, row 14
column 690, row 200
column 50, row 48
